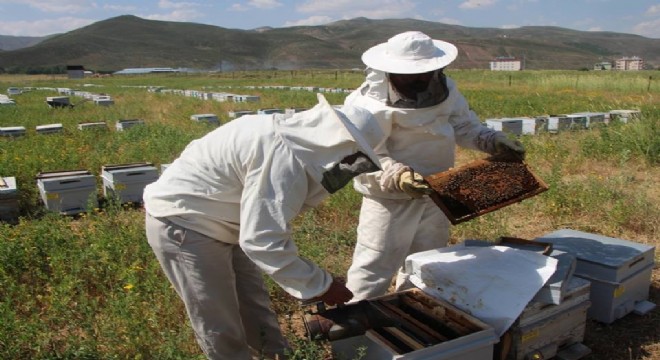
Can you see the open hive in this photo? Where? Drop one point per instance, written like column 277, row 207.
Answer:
column 482, row 186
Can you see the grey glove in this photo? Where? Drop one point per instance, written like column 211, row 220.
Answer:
column 509, row 148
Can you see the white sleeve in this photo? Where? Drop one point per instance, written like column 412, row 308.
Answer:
column 468, row 130
column 273, row 196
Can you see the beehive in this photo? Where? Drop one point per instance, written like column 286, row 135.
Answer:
column 98, row 125
column 12, row 131
column 8, row 199
column 206, row 118
column 49, row 128
column 128, row 123
column 68, row 192
column 482, row 186
column 126, row 182
column 619, row 271
column 411, row 325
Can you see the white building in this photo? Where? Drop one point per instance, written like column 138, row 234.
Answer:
column 506, row 64
column 629, row 63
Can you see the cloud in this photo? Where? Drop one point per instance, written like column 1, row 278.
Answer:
column 119, row 8
column 648, row 28
column 238, row 7
column 55, row 6
column 166, row 4
column 310, row 21
column 180, row 15
column 655, row 9
column 476, row 4
column 264, row 4
column 43, row 27
column 348, row 9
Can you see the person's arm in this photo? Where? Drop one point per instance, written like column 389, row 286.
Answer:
column 273, row 197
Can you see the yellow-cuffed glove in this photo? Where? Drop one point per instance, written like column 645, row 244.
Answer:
column 413, row 184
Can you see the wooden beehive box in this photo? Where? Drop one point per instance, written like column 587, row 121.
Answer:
column 482, row 186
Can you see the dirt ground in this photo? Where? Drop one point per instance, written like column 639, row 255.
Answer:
column 632, row 337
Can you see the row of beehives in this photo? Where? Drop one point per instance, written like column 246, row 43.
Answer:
column 64, row 101
column 16, row 131
column 6, row 100
column 558, row 123
column 71, row 192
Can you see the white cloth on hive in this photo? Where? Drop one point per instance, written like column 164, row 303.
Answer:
column 493, row 284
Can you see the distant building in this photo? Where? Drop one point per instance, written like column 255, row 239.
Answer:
column 75, row 71
column 629, row 63
column 505, row 63
column 136, row 71
column 603, row 65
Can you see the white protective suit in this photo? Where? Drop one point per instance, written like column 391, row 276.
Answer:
column 392, row 225
column 234, row 193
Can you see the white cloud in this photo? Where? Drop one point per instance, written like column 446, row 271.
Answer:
column 238, row 7
column 264, row 4
column 119, row 8
column 166, row 4
column 375, row 9
column 655, row 9
column 181, row 15
column 476, row 4
column 310, row 21
column 43, row 27
column 648, row 28
column 55, row 6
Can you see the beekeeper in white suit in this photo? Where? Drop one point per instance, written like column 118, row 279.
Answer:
column 220, row 215
column 424, row 117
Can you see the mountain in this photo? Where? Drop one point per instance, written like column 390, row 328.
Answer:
column 129, row 41
column 17, row 42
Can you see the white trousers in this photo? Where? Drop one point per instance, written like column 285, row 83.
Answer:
column 223, row 292
column 389, row 231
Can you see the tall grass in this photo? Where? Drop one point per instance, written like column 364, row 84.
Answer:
column 88, row 287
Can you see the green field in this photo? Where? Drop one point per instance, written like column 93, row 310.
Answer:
column 88, row 287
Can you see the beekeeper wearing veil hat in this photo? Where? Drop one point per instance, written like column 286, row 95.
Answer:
column 220, row 216
column 423, row 117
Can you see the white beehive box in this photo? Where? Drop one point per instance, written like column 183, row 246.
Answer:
column 543, row 331
column 238, row 113
column 474, row 340
column 270, row 111
column 122, row 125
column 624, row 116
column 619, row 271
column 8, row 199
column 126, row 182
column 578, row 121
column 98, row 125
column 593, row 118
column 558, row 123
column 49, row 128
column 67, row 192
column 103, row 100
column 58, row 101
column 246, row 98
column 508, row 125
column 205, row 118
column 12, row 131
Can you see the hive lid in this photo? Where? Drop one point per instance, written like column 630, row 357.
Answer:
column 483, row 186
column 61, row 173
column 112, row 167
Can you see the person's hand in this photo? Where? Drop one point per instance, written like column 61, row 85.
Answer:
column 413, row 184
column 336, row 294
column 509, row 148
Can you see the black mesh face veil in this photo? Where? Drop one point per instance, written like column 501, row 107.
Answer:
column 344, row 171
column 416, row 91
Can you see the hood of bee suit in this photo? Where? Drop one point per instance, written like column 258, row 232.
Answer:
column 323, row 135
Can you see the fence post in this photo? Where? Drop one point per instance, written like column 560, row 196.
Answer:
column 648, row 87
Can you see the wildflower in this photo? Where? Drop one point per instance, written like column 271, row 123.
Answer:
column 128, row 287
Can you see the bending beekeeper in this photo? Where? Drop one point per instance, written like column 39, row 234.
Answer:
column 424, row 117
column 220, row 215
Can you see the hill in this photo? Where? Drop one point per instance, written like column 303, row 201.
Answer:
column 17, row 42
column 129, row 41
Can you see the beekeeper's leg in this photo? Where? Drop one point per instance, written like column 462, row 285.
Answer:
column 200, row 269
column 432, row 233
column 385, row 231
column 259, row 320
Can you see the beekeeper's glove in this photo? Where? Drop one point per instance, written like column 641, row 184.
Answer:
column 413, row 184
column 509, row 148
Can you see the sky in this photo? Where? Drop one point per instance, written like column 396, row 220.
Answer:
column 47, row 17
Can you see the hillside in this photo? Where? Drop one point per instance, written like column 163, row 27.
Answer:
column 129, row 41
column 8, row 43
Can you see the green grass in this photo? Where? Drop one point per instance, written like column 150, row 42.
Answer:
column 88, row 287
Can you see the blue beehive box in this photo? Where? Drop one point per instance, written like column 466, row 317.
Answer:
column 619, row 271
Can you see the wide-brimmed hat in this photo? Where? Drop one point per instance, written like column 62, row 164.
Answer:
column 411, row 52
